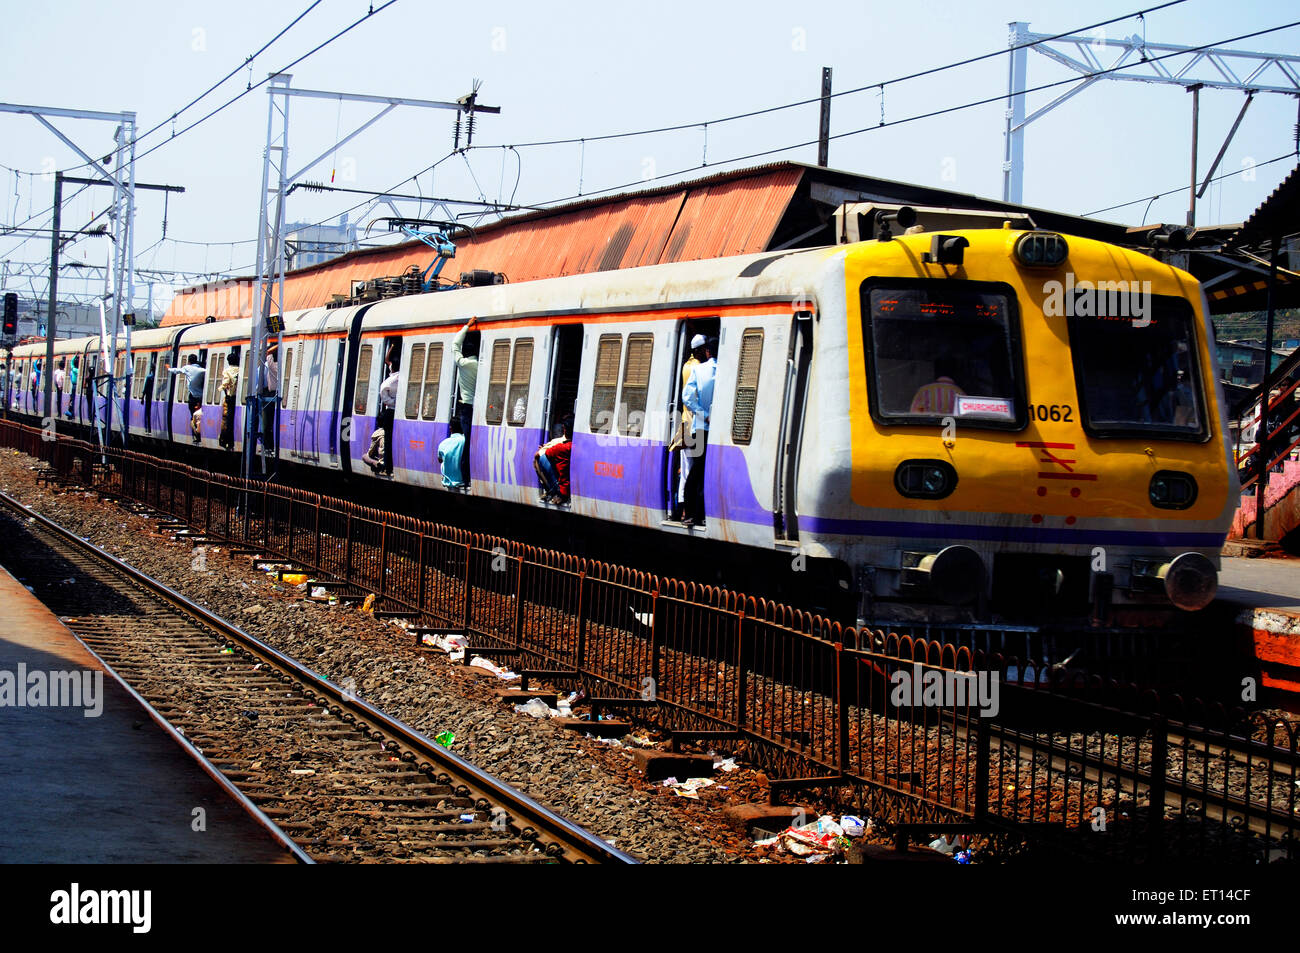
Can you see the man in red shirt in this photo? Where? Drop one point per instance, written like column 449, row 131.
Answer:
column 552, row 465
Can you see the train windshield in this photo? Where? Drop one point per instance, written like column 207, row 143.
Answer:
column 1138, row 375
column 940, row 349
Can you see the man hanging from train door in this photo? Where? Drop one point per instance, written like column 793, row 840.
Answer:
column 464, row 356
column 697, row 395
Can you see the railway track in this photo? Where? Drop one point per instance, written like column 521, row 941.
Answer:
column 331, row 774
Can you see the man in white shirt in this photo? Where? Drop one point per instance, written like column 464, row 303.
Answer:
column 58, row 388
column 388, row 409
column 270, row 391
column 194, row 375
column 464, row 357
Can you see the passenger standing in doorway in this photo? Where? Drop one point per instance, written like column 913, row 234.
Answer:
column 194, row 376
column 697, row 395
column 72, row 385
column 59, row 379
column 270, row 396
column 464, row 356
column 229, row 385
column 451, row 456
column 388, row 409
column 682, row 437
column 148, row 393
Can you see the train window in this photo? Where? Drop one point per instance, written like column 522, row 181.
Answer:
column 1139, row 378
column 943, row 349
column 414, row 378
column 636, row 383
column 361, row 398
column 285, row 378
column 520, row 371
column 496, row 395
column 432, row 374
column 137, row 383
column 604, row 390
column 751, row 360
column 214, row 379
column 162, row 378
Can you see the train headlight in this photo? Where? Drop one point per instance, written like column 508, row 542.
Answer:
column 1172, row 490
column 925, row 479
column 1041, row 249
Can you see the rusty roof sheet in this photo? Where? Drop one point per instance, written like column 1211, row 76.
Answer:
column 721, row 215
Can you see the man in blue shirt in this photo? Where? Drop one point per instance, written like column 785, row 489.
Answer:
column 451, row 453
column 697, row 395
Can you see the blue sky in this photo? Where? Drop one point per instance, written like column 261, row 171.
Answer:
column 587, row 69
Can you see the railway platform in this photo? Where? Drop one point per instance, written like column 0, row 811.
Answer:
column 1264, row 596
column 86, row 774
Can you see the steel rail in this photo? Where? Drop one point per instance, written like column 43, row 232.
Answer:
column 561, row 837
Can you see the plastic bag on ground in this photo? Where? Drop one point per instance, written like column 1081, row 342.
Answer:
column 497, row 670
column 536, row 708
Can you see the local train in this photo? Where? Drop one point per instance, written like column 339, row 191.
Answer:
column 959, row 423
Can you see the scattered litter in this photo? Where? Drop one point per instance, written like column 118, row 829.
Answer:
column 302, row 770
column 453, row 645
column 536, row 708
column 71, row 580
column 368, row 607
column 227, row 651
column 688, row 788
column 943, row 845
column 444, row 738
column 250, row 715
column 467, row 818
column 963, row 856
column 497, row 670
column 855, row 826
column 294, row 578
column 726, row 765
column 319, row 592
column 820, row 838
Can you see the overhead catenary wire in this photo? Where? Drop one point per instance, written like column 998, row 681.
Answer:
column 1184, row 188
column 879, row 86
column 927, row 115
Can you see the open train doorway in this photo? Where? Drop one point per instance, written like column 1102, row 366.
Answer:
column 566, row 366
column 677, row 466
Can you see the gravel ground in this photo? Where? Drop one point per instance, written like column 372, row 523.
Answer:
column 594, row 783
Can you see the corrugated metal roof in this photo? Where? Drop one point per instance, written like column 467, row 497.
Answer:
column 727, row 214
column 1277, row 216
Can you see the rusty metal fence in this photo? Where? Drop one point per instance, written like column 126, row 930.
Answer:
column 920, row 733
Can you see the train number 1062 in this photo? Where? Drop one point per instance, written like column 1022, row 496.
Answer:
column 1054, row 412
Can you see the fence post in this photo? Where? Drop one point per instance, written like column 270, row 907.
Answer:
column 983, row 757
column 419, row 568
column 842, row 662
column 315, row 563
column 656, row 639
column 383, row 559
column 519, row 604
column 1156, row 794
column 581, row 657
column 742, row 681
column 465, row 600
column 290, row 550
column 347, row 550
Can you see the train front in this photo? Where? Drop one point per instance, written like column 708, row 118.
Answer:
column 1035, row 430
